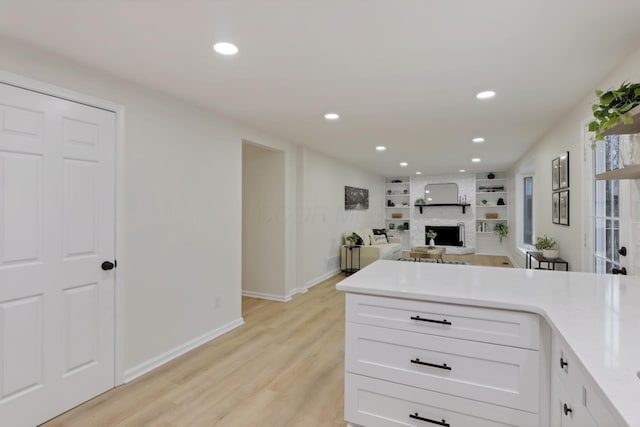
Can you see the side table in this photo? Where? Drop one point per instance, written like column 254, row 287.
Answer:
column 551, row 262
column 348, row 259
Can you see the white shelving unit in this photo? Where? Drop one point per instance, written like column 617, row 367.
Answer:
column 491, row 191
column 398, row 192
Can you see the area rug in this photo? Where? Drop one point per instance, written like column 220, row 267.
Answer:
column 433, row 261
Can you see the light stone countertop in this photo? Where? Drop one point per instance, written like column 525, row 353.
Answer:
column 597, row 315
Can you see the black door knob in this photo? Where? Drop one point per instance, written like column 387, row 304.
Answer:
column 622, row 251
column 108, row 265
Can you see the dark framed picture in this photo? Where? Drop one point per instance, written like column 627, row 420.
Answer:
column 555, row 174
column 555, row 208
column 563, row 204
column 563, row 171
column 356, row 198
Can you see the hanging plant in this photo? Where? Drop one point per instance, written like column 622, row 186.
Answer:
column 613, row 107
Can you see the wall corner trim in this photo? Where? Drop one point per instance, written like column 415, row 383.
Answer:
column 161, row 359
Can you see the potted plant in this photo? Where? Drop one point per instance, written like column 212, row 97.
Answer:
column 351, row 240
column 431, row 235
column 484, row 201
column 419, row 202
column 548, row 246
column 502, row 230
column 389, row 192
column 405, row 191
column 613, row 106
column 400, row 228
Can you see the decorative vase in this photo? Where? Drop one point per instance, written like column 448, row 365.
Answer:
column 491, row 175
column 629, row 146
column 432, row 243
column 550, row 253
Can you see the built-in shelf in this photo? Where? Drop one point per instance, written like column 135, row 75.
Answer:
column 491, row 192
column 622, row 129
column 398, row 207
column 463, row 205
column 491, row 206
column 628, row 172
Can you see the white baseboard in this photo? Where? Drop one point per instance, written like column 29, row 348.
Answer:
column 322, row 278
column 263, row 295
column 155, row 362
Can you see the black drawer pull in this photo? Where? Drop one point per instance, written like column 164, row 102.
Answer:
column 433, row 365
column 566, row 409
column 563, row 363
column 442, row 322
column 440, row 423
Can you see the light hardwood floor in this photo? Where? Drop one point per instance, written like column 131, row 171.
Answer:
column 283, row 367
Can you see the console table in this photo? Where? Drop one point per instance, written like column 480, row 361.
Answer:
column 551, row 262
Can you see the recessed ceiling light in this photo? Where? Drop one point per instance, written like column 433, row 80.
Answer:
column 224, row 48
column 475, row 160
column 478, row 140
column 462, row 170
column 418, row 173
column 332, row 116
column 381, row 148
column 404, row 164
column 487, row 94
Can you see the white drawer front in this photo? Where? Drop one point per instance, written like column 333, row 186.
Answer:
column 504, row 327
column 376, row 403
column 506, row 376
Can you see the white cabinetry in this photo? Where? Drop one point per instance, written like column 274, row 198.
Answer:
column 491, row 201
column 415, row 362
column 574, row 399
column 398, row 207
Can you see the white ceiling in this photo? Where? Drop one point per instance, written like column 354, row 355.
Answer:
column 401, row 73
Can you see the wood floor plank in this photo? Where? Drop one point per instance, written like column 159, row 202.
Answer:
column 283, row 367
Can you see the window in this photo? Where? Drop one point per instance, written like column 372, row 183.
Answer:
column 527, row 204
column 606, row 208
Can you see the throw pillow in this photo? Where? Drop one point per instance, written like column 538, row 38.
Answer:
column 381, row 232
column 378, row 240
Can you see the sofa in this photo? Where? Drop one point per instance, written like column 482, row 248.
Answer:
column 392, row 249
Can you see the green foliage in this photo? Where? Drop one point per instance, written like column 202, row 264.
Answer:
column 545, row 243
column 419, row 202
column 502, row 230
column 400, row 228
column 613, row 106
column 431, row 234
column 351, row 239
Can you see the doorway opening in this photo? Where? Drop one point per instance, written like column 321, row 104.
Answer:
column 263, row 222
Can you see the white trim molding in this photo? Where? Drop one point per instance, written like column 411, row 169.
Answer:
column 262, row 295
column 157, row 361
column 311, row 283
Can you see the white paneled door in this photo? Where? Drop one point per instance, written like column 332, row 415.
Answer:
column 57, row 227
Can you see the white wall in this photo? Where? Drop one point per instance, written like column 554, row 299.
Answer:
column 323, row 219
column 183, row 202
column 443, row 215
column 567, row 135
column 263, row 222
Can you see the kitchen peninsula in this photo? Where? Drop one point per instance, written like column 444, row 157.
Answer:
column 454, row 345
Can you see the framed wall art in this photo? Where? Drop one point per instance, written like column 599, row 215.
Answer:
column 555, row 208
column 563, row 205
column 563, row 171
column 356, row 198
column 555, row 174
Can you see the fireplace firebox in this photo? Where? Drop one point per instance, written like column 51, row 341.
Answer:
column 447, row 235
